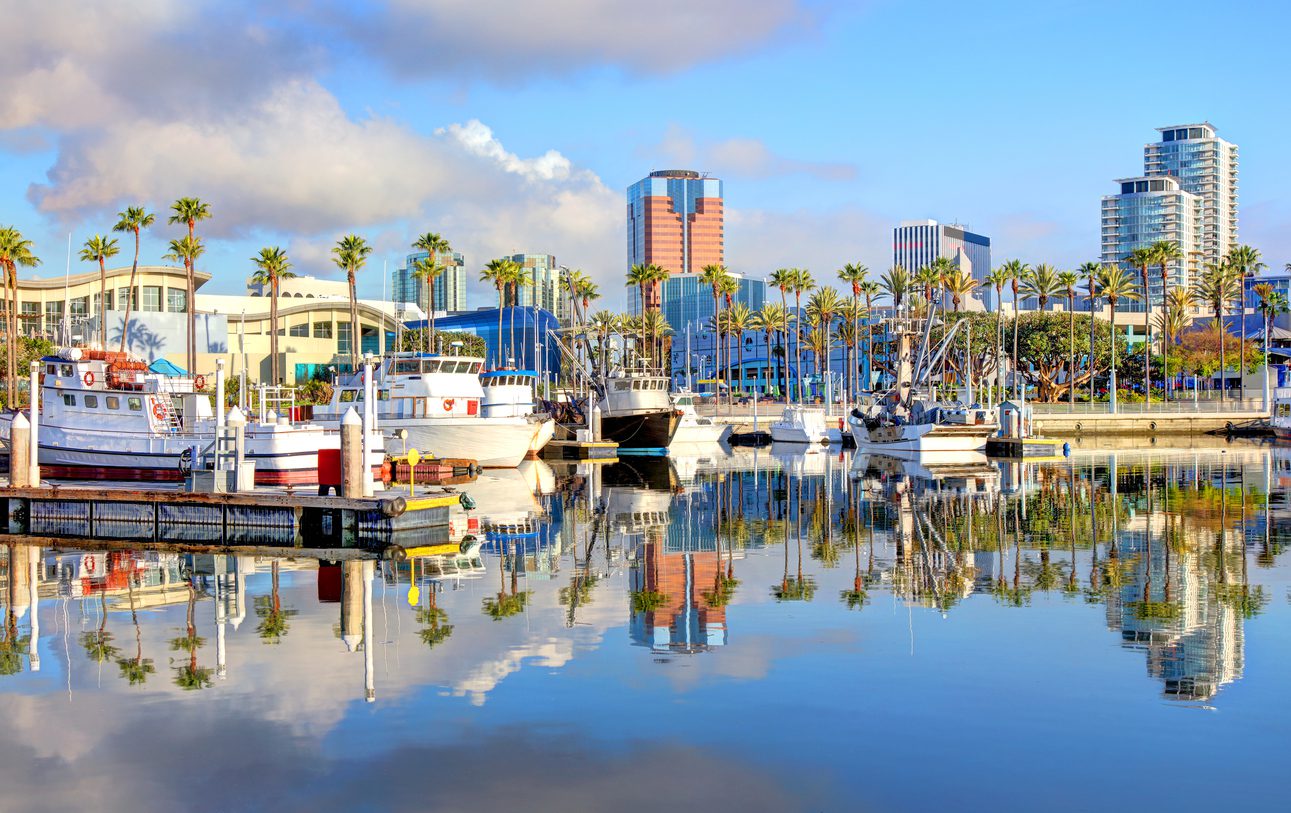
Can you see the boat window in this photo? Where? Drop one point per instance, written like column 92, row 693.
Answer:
column 406, row 367
column 66, row 370
column 621, row 385
column 113, row 402
column 348, row 396
column 92, row 401
column 135, row 403
column 69, row 399
column 51, row 369
column 430, row 366
column 383, row 395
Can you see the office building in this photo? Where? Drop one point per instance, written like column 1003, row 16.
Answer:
column 676, row 220
column 449, row 290
column 916, row 243
column 544, row 284
column 1145, row 211
column 1205, row 166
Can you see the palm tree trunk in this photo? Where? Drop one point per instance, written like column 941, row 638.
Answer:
column 273, row 331
column 1147, row 346
column 515, row 300
column 1091, row 343
column 1223, row 361
column 134, row 269
column 1017, row 312
column 497, row 362
column 797, row 346
column 430, row 311
column 1071, row 343
column 356, row 335
column 103, row 299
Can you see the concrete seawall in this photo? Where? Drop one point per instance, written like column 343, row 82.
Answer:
column 1064, row 425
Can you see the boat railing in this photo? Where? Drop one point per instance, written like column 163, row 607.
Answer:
column 277, row 399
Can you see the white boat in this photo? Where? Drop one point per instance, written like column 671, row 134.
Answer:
column 1280, row 419
column 922, row 426
column 693, row 427
column 509, row 394
column 636, row 410
column 435, row 402
column 800, row 424
column 106, row 416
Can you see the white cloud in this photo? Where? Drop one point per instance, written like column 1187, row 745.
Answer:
column 740, row 157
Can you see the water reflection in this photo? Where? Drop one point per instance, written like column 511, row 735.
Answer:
column 674, row 574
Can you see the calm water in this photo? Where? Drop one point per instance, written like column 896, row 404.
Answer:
column 740, row 632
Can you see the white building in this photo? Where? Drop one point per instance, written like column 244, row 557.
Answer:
column 1205, row 165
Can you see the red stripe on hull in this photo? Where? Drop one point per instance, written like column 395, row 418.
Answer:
column 264, row 477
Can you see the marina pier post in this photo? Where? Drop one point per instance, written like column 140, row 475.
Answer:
column 19, row 452
column 352, row 447
column 33, row 395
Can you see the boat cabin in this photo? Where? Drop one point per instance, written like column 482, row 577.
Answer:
column 415, row 385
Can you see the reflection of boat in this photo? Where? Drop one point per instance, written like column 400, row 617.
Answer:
column 694, row 428
column 437, row 400
column 794, row 459
column 965, row 471
column 800, row 424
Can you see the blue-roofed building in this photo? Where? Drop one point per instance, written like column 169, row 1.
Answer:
column 521, row 329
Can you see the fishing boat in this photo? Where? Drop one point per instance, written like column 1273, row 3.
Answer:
column 510, row 394
column 433, row 404
column 1280, row 419
column 800, row 424
column 693, row 427
column 637, row 411
column 107, row 416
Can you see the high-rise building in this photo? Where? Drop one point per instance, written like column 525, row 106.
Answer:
column 450, row 286
column 916, row 243
column 544, row 284
column 675, row 219
column 1145, row 211
column 1205, row 165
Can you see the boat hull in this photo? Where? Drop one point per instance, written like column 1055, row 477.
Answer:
column 546, row 431
column 688, row 432
column 923, row 437
column 495, row 443
column 646, row 430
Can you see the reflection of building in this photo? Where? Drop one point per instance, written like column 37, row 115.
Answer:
column 676, row 221
column 674, row 606
column 1170, row 607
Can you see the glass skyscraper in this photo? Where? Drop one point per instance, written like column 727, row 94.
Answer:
column 1205, row 165
column 916, row 243
column 544, row 284
column 450, row 286
column 676, row 220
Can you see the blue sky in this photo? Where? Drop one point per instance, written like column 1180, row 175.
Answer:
column 511, row 126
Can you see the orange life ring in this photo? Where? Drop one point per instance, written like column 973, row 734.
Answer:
column 88, row 378
column 158, row 411
column 89, row 564
column 448, row 404
column 200, row 382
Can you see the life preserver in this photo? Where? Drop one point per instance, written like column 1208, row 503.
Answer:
column 158, row 411
column 88, row 378
column 89, row 564
column 200, row 382
column 448, row 404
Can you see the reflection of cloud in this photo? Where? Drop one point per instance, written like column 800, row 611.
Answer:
column 551, row 653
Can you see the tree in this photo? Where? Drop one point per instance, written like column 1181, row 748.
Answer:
column 434, row 245
column 1272, row 303
column 187, row 211
column 1015, row 271
column 959, row 285
column 134, row 220
column 869, row 289
column 854, row 274
column 350, row 254
column 1116, row 284
column 15, row 250
column 1091, row 271
column 1068, row 280
column 802, row 282
column 782, row 279
column 738, row 319
column 427, row 269
column 1245, row 262
column 1165, row 252
column 997, row 279
column 896, row 282
column 715, row 277
column 272, row 267
column 516, row 277
column 929, row 279
column 498, row 273
column 642, row 276
column 1044, row 343
column 1042, row 283
column 1216, row 287
column 98, row 249
column 186, row 250
column 823, row 306
column 771, row 320
column 1142, row 258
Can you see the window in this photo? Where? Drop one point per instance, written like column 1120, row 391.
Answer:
column 79, row 306
column 122, row 293
column 50, row 369
column 152, row 298
column 349, row 396
column 135, row 403
column 91, row 402
column 282, row 331
column 176, row 300
column 66, row 370
column 113, row 402
column 99, row 308
column 69, row 399
column 299, row 330
column 406, row 367
column 322, row 330
column 383, row 395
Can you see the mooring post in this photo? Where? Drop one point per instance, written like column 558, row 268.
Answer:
column 33, row 464
column 595, row 422
column 369, row 422
column 351, row 455
column 369, row 670
column 219, row 394
column 20, row 452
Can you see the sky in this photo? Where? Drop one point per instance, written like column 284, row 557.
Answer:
column 510, row 126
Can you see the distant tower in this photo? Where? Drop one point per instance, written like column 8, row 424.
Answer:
column 676, row 220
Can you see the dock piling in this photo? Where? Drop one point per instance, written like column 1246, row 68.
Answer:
column 352, row 462
column 33, row 463
column 19, row 451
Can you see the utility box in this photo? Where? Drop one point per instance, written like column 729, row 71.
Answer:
column 1015, row 420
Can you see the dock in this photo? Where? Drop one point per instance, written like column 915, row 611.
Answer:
column 1024, row 447
column 605, row 451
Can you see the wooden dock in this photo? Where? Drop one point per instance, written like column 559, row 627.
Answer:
column 605, row 451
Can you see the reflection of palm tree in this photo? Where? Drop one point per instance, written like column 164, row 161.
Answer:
column 137, row 669
column 854, row 598
column 274, row 620
column 98, row 642
column 190, row 676
column 433, row 620
column 506, row 604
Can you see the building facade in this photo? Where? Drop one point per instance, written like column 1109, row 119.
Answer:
column 1205, row 166
column 916, row 243
column 676, row 220
column 544, row 285
column 304, row 287
column 1145, row 211
column 450, row 286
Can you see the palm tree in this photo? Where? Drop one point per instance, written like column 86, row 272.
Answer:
column 854, row 274
column 15, row 250
column 1042, row 283
column 586, row 290
column 1015, row 271
column 434, row 245
column 186, row 250
column 187, row 211
column 959, row 285
column 659, row 331
column 782, row 279
column 896, row 283
column 1271, row 304
column 275, row 620
column 1068, row 279
column 98, row 249
column 1141, row 258
column 1163, row 253
column 134, row 219
column 272, row 267
column 738, row 319
column 715, row 276
column 137, row 669
column 1117, row 284
column 498, row 273
column 869, row 289
column 350, row 254
column 928, row 278
column 824, row 305
column 1245, row 262
column 997, row 279
column 427, row 269
column 1217, row 285
column 769, row 319
column 517, row 276
column 802, row 281
column 642, row 276
column 190, row 676
column 1091, row 271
